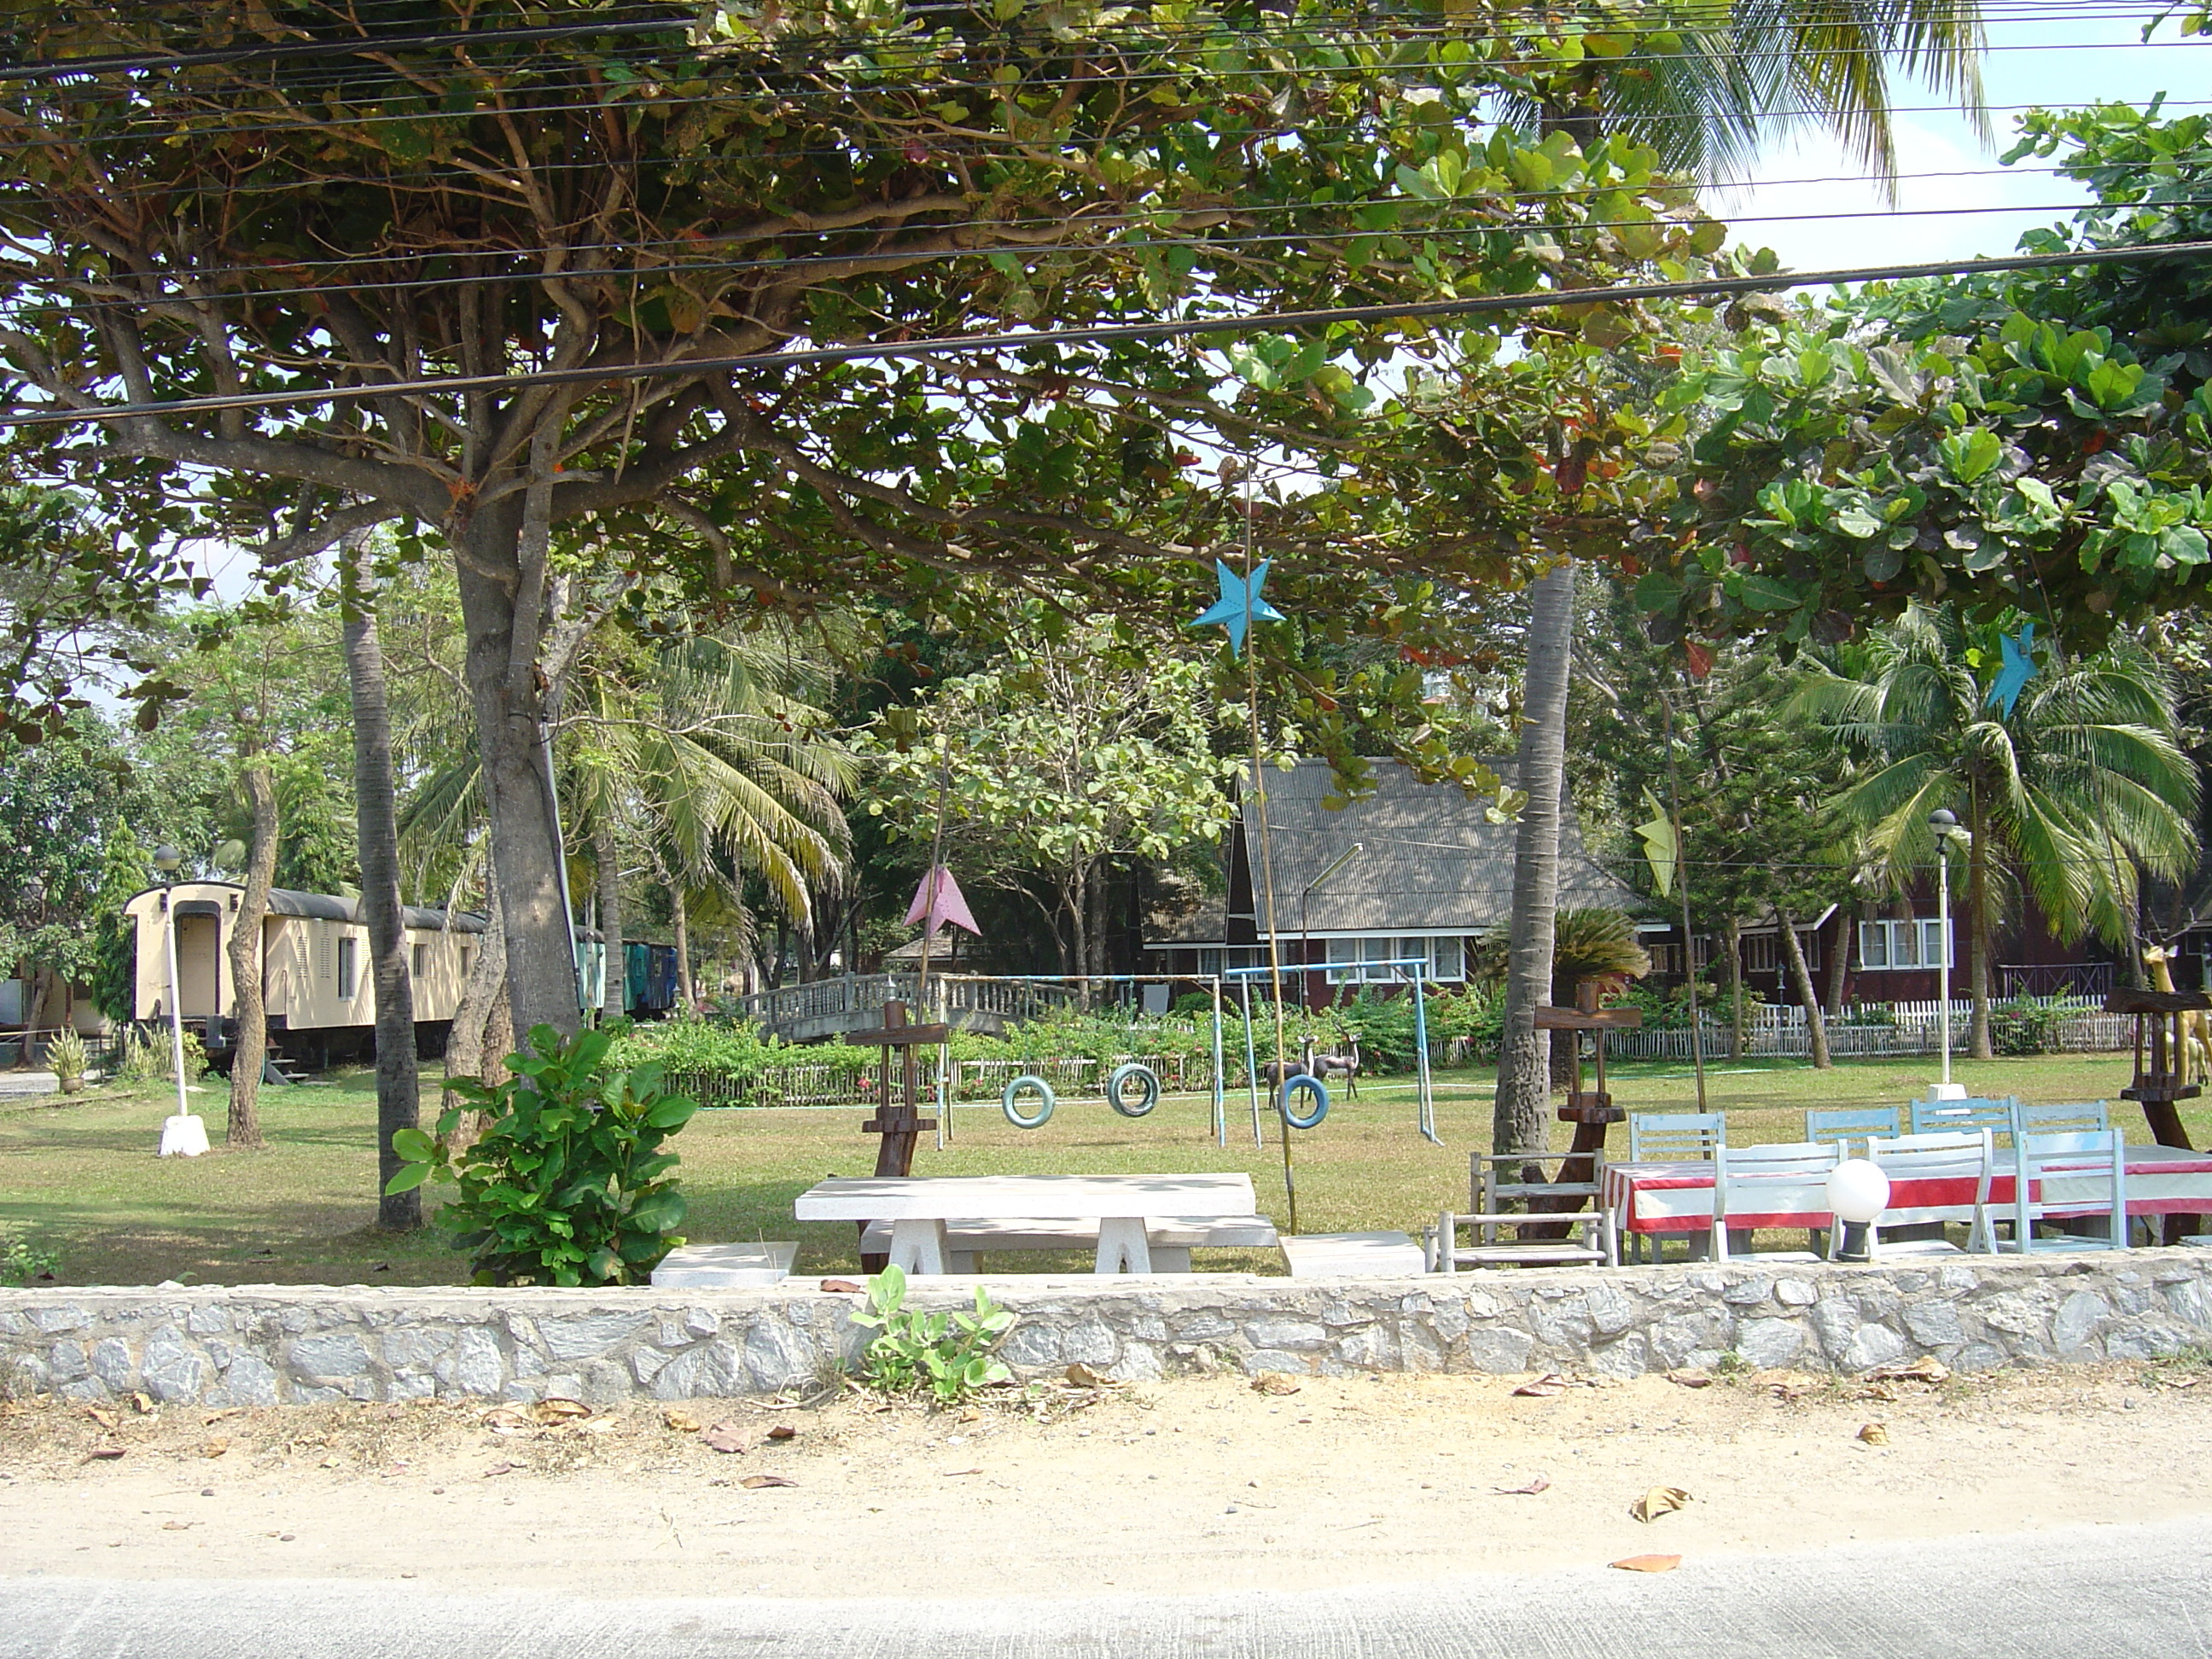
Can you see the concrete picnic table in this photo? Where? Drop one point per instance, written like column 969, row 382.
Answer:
column 920, row 1207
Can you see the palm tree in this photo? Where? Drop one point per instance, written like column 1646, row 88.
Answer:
column 1743, row 72
column 2080, row 790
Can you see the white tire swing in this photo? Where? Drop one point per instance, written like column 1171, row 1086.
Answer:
column 1028, row 1085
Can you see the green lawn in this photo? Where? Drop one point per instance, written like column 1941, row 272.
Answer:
column 80, row 1174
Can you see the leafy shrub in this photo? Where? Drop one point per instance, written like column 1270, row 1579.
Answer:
column 67, row 1057
column 948, row 1353
column 145, row 1059
column 569, row 1185
column 1670, row 1010
column 22, row 1262
column 2024, row 1026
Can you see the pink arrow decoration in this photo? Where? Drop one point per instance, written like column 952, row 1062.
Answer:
column 940, row 900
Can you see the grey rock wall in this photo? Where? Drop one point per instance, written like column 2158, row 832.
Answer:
column 262, row 1344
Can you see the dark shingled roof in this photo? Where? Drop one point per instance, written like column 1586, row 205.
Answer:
column 1430, row 863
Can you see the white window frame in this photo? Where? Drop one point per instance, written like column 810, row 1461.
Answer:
column 1907, row 944
column 349, row 954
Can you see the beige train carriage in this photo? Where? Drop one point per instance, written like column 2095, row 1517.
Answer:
column 315, row 969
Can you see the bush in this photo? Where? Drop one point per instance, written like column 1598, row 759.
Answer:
column 67, row 1056
column 2024, row 1026
column 22, row 1262
column 948, row 1353
column 569, row 1185
column 144, row 1059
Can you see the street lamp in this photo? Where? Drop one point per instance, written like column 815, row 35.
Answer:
column 1305, row 932
column 1944, row 825
column 1858, row 1192
column 183, row 1135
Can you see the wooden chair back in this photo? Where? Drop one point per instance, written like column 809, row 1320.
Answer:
column 1989, row 1112
column 1848, row 1123
column 1674, row 1137
column 1950, row 1155
column 1745, row 1180
column 2093, row 1116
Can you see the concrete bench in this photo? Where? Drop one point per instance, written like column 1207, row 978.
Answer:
column 1354, row 1256
column 726, row 1267
column 1171, row 1238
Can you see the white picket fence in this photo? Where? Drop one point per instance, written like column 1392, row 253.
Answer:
column 847, row 1084
column 1779, row 1031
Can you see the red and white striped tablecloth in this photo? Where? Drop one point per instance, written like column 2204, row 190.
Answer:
column 1666, row 1198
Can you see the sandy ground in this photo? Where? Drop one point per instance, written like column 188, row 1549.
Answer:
column 1192, row 1486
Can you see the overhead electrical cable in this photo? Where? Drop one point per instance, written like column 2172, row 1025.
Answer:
column 1108, row 334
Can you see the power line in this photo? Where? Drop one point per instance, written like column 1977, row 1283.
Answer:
column 1106, row 334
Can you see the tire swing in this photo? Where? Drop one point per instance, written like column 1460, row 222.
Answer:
column 1028, row 1085
column 1148, row 1089
column 1303, row 1085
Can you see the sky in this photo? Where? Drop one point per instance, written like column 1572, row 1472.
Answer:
column 1954, row 200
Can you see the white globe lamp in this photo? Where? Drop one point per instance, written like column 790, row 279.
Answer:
column 1858, row 1192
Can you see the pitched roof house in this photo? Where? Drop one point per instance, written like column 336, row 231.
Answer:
column 1430, row 872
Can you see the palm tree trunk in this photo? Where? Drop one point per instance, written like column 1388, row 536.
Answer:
column 251, row 1052
column 1840, row 965
column 398, row 1096
column 606, row 853
column 1734, row 937
column 1977, row 929
column 1801, row 976
column 680, row 920
column 1524, row 1071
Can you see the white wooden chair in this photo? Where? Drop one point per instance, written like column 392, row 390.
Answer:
column 1960, row 1155
column 1828, row 1124
column 2077, row 1157
column 1495, row 1183
column 1674, row 1137
column 1989, row 1112
column 2093, row 1115
column 1747, row 1182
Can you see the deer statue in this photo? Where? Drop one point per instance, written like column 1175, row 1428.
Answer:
column 2194, row 1062
column 1324, row 1067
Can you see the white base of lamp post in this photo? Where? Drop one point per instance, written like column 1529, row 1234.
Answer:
column 183, row 1136
column 1947, row 1092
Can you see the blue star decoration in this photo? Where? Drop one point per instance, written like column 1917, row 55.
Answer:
column 2018, row 667
column 1239, row 604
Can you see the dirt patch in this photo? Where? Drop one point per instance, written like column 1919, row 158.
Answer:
column 1175, row 1487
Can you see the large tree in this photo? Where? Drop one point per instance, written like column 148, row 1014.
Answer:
column 495, row 259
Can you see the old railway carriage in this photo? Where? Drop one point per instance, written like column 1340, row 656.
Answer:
column 315, row 972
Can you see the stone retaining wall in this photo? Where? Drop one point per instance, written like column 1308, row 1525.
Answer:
column 260, row 1345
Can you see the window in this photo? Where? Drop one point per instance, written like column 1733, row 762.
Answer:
column 420, row 965
column 1439, row 956
column 1914, row 942
column 347, row 970
column 463, row 969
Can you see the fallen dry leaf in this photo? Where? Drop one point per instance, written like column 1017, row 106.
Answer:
column 844, row 1287
column 1543, row 1388
column 1646, row 1562
column 107, row 1453
column 1880, row 1391
column 726, row 1438
column 1536, row 1483
column 214, row 1449
column 682, row 1422
column 499, row 1468
column 557, row 1410
column 1875, row 1434
column 1273, row 1383
column 1926, row 1369
column 176, row 1526
column 1660, row 1500
column 971, row 1415
column 104, row 1419
column 783, row 1431
column 1690, row 1379
column 142, row 1404
column 507, row 1419
column 755, row 1482
column 1083, row 1377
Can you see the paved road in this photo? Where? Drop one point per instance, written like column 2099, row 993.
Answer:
column 2120, row 1591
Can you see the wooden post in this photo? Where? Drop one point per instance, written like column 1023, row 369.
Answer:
column 1591, row 1111
column 899, row 1123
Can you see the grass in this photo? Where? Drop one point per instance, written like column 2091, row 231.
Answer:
column 78, row 1174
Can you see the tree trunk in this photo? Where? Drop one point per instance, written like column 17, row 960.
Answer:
column 398, row 1098
column 506, row 626
column 483, row 1033
column 682, row 924
column 1735, row 938
column 45, row 981
column 1524, row 1080
column 1801, row 976
column 1977, row 930
column 606, row 855
column 251, row 1048
column 1840, row 965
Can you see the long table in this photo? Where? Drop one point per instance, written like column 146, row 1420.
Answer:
column 919, row 1209
column 1678, row 1197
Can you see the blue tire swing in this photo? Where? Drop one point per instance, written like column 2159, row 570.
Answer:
column 1028, row 1085
column 1148, row 1089
column 1312, row 1087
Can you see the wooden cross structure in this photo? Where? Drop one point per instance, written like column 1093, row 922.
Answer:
column 1590, row 1110
column 2161, row 1073
column 900, row 1120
